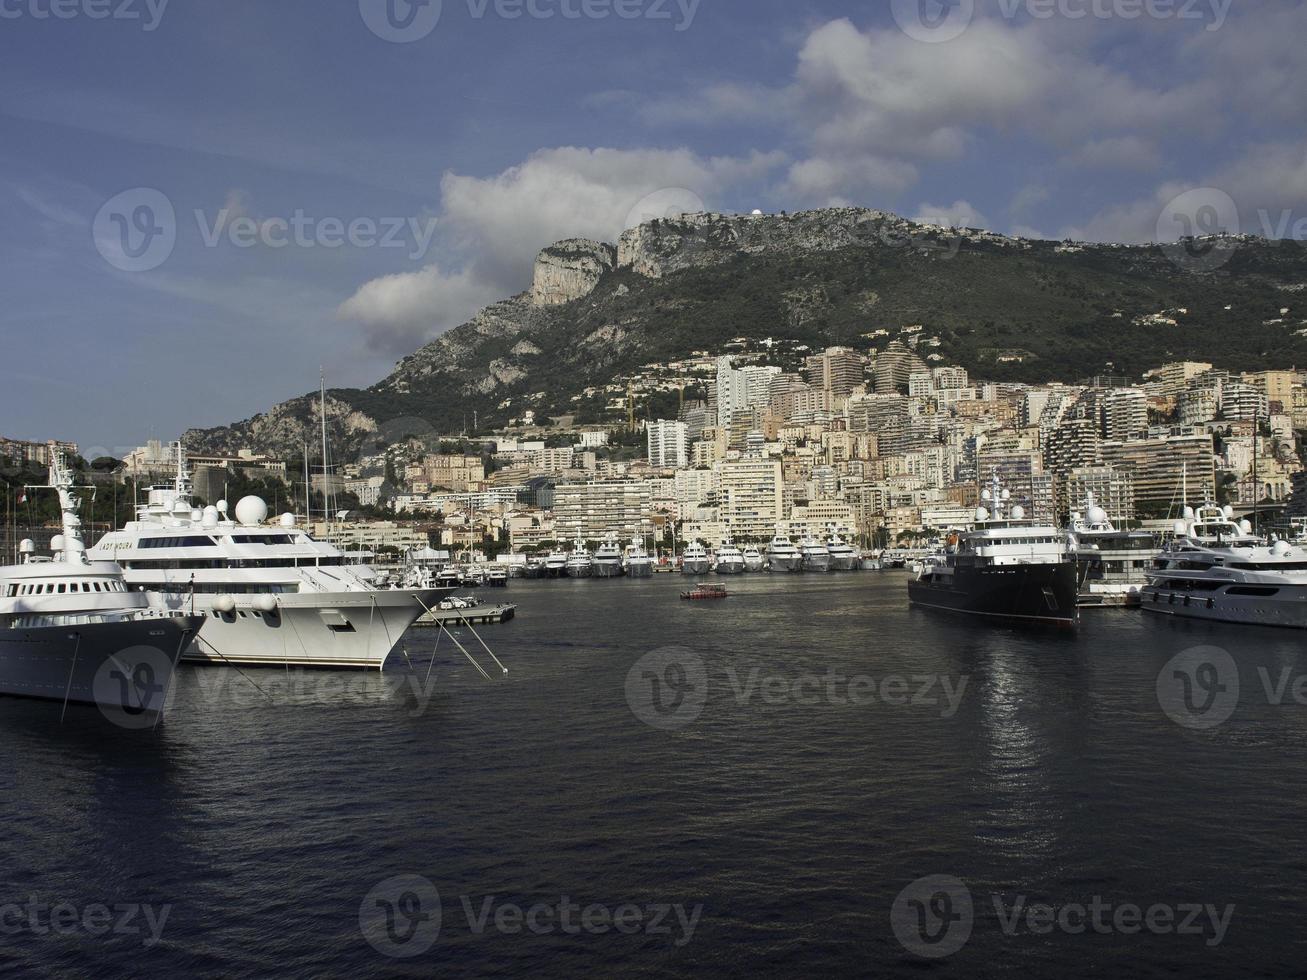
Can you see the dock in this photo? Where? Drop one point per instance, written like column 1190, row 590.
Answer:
column 477, row 615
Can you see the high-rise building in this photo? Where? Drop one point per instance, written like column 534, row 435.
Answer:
column 1243, row 403
column 894, row 368
column 594, row 509
column 837, row 370
column 668, row 443
column 1173, row 377
column 1125, row 413
column 750, row 496
column 1160, row 466
column 1113, row 490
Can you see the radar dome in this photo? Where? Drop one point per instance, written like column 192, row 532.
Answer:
column 1096, row 515
column 266, row 603
column 288, row 520
column 1281, row 549
column 197, row 515
column 982, row 514
column 1018, row 512
column 250, row 511
column 985, row 495
column 223, row 603
column 1180, row 527
column 1007, row 494
column 1245, row 527
column 222, row 506
column 1188, row 513
column 210, row 517
column 57, row 543
column 1228, row 511
column 27, row 547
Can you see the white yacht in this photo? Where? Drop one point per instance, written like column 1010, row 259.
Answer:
column 753, row 559
column 1216, row 569
column 695, row 560
column 271, row 595
column 782, row 556
column 637, row 562
column 608, row 558
column 1112, row 565
column 556, row 564
column 730, row 560
column 843, row 558
column 816, row 557
column 71, row 630
column 580, row 563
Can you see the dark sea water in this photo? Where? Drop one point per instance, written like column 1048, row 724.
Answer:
column 809, row 749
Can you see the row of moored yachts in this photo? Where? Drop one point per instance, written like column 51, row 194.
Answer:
column 1212, row 568
column 611, row 560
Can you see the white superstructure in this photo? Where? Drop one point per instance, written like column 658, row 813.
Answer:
column 695, row 560
column 1216, row 569
column 730, row 561
column 580, row 563
column 816, row 557
column 271, row 595
column 843, row 557
column 637, row 562
column 782, row 556
column 608, row 558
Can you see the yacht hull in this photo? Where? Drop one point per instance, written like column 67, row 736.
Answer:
column 342, row 630
column 640, row 569
column 124, row 667
column 1016, row 593
column 606, row 569
column 816, row 563
column 787, row 564
column 730, row 567
column 1286, row 607
column 698, row 566
column 756, row 565
column 841, row 563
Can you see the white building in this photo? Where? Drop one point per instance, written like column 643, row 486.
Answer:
column 668, row 444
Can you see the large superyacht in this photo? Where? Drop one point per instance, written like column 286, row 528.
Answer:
column 271, row 595
column 636, row 561
column 782, row 556
column 580, row 563
column 1216, row 569
column 843, row 557
column 730, row 561
column 695, row 560
column 1111, row 563
column 815, row 555
column 608, row 558
column 71, row 630
column 1007, row 568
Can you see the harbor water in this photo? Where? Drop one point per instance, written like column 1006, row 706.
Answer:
column 807, row 778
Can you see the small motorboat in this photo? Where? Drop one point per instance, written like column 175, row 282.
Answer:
column 703, row 590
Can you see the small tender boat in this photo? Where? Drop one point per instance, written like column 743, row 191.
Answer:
column 705, row 591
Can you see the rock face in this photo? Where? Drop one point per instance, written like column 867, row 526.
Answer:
column 569, row 270
column 284, row 429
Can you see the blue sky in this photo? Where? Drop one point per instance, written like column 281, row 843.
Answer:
column 346, row 179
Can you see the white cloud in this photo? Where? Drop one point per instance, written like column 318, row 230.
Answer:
column 498, row 224
column 1116, row 153
column 401, row 312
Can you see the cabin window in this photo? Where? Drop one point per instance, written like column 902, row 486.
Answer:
column 63, row 587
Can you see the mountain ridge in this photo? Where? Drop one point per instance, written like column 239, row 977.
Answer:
column 596, row 310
